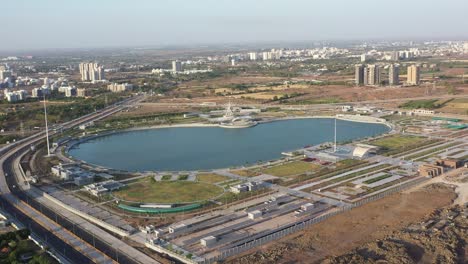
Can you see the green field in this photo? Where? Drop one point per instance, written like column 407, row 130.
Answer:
column 148, row 191
column 211, row 178
column 292, row 168
column 395, row 143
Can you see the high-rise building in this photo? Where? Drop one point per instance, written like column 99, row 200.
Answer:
column 253, row 56
column 373, row 75
column 394, row 74
column 91, row 72
column 176, row 66
column 359, row 74
column 363, row 57
column 395, row 56
column 413, row 75
column 4, row 74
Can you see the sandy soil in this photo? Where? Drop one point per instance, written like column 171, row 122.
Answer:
column 349, row 230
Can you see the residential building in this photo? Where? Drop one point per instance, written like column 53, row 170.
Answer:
column 15, row 96
column 91, row 72
column 70, row 91
column 40, row 92
column 359, row 74
column 413, row 75
column 395, row 56
column 4, row 74
column 116, row 88
column 176, row 66
column 253, row 56
column 394, row 74
column 81, row 92
column 363, row 57
column 373, row 75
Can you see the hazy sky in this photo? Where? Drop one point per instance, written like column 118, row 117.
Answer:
column 38, row 24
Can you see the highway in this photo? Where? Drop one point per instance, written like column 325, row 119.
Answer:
column 72, row 237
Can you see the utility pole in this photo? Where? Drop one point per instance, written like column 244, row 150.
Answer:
column 46, row 127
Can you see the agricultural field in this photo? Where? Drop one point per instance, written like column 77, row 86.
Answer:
column 148, row 191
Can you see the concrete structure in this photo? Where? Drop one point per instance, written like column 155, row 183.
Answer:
column 373, row 74
column 362, row 151
column 177, row 228
column 81, row 92
column 254, row 214
column 413, row 75
column 71, row 172
column 116, row 88
column 15, row 96
column 450, row 163
column 359, row 74
column 176, row 66
column 394, row 74
column 208, row 241
column 430, row 170
column 247, row 187
column 422, row 112
column 91, row 72
column 100, row 188
column 253, row 56
column 40, row 92
column 4, row 74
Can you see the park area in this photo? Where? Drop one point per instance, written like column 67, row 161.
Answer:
column 398, row 143
column 147, row 190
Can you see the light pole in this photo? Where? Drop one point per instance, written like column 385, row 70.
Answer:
column 46, row 127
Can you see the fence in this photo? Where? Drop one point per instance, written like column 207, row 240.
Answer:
column 301, row 225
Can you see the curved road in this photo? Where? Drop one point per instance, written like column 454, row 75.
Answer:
column 74, row 239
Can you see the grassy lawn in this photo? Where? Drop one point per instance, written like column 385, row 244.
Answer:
column 245, row 173
column 397, row 143
column 292, row 168
column 211, row 178
column 149, row 191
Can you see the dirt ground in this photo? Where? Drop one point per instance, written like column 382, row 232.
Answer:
column 344, row 232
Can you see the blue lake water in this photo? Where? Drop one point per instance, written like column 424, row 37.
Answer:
column 199, row 148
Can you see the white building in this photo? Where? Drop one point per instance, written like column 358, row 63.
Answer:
column 15, row 96
column 176, row 66
column 40, row 92
column 116, row 88
column 91, row 72
column 253, row 56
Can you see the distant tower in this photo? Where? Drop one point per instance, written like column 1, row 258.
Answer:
column 413, row 75
column 374, row 75
column 176, row 66
column 359, row 74
column 394, row 74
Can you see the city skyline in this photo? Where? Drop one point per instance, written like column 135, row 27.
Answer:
column 161, row 23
